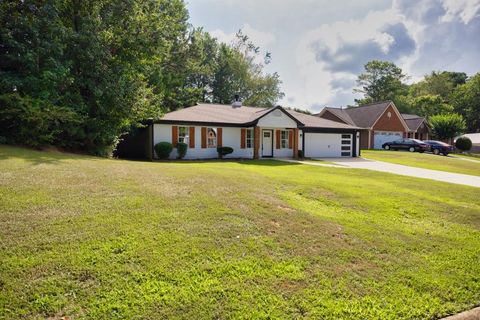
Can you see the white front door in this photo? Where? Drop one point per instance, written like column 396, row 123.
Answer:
column 267, row 143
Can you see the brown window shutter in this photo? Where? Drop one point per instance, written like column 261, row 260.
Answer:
column 279, row 137
column 174, row 135
column 191, row 138
column 204, row 137
column 290, row 139
column 219, row 137
column 243, row 134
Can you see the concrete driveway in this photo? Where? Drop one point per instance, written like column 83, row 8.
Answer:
column 360, row 163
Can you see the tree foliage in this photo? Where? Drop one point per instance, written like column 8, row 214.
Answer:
column 466, row 101
column 92, row 69
column 382, row 80
column 447, row 126
column 439, row 93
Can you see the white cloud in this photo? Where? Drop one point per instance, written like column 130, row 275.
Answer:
column 465, row 9
column 419, row 37
column 319, row 46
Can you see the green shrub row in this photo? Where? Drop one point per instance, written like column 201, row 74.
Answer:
column 164, row 149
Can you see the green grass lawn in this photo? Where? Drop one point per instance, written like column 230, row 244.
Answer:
column 424, row 160
column 107, row 239
column 473, row 156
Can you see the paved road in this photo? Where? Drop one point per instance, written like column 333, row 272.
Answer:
column 360, row 163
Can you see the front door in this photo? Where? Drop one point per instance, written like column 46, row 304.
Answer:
column 267, row 143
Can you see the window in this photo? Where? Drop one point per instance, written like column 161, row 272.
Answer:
column 346, row 136
column 345, row 147
column 249, row 138
column 211, row 138
column 346, row 141
column 345, row 154
column 284, row 139
column 183, row 134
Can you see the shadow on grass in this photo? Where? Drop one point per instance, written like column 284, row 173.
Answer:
column 37, row 157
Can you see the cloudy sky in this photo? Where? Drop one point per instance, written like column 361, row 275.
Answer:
column 319, row 46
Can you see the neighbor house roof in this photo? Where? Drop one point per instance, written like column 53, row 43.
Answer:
column 339, row 113
column 367, row 115
column 242, row 116
column 413, row 121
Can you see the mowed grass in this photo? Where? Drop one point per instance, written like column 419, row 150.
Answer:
column 424, row 160
column 91, row 238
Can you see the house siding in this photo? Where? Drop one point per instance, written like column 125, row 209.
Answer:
column 230, row 138
column 385, row 123
column 364, row 139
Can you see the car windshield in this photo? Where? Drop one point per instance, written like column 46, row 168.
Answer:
column 416, row 140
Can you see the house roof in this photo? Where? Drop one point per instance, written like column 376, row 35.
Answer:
column 413, row 121
column 339, row 113
column 317, row 122
column 244, row 115
column 365, row 116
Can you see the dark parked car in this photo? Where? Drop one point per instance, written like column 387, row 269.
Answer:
column 438, row 147
column 411, row 145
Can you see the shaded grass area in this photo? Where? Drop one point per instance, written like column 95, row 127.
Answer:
column 109, row 239
column 424, row 160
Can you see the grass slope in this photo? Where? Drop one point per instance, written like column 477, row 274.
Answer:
column 107, row 239
column 424, row 160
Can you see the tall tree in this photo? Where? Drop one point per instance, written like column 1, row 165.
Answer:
column 466, row 101
column 438, row 83
column 382, row 80
column 429, row 105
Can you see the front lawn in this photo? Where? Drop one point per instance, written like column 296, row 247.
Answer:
column 92, row 238
column 424, row 160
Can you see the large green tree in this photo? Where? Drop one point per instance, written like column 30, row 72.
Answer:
column 89, row 70
column 466, row 101
column 441, row 84
column 109, row 62
column 381, row 80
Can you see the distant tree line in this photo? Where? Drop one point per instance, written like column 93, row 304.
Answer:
column 449, row 100
column 79, row 73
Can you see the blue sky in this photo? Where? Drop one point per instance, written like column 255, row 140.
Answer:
column 319, row 47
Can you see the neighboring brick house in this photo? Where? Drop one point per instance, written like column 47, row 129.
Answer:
column 380, row 122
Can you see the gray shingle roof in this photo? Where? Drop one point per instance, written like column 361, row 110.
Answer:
column 317, row 122
column 413, row 121
column 366, row 116
column 226, row 114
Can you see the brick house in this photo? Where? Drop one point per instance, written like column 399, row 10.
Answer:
column 379, row 122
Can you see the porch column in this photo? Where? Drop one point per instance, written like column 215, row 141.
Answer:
column 295, row 143
column 256, row 142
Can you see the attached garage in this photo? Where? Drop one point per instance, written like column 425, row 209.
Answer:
column 381, row 137
column 328, row 145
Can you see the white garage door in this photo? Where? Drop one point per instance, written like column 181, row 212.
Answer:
column 380, row 137
column 328, row 145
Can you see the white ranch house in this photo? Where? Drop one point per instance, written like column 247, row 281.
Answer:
column 254, row 133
